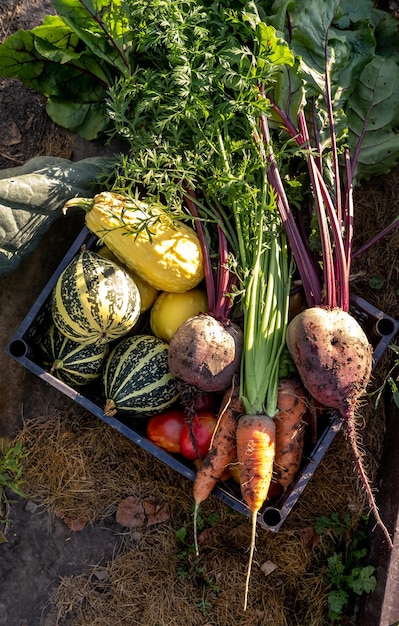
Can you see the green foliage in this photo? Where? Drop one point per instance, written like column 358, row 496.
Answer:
column 377, row 282
column 394, row 389
column 11, row 472
column 361, row 43
column 159, row 62
column 333, row 523
column 189, row 566
column 72, row 58
column 347, row 574
column 391, row 379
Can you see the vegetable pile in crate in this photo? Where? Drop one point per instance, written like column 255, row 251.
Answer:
column 76, row 369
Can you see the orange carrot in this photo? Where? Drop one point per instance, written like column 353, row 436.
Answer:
column 290, row 430
column 221, row 452
column 256, row 435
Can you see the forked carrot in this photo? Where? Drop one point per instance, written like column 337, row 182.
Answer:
column 221, row 452
column 290, row 430
column 256, row 437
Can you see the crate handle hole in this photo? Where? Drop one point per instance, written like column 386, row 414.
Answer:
column 18, row 348
column 385, row 327
column 271, row 516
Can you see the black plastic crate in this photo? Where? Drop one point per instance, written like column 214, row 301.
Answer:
column 380, row 329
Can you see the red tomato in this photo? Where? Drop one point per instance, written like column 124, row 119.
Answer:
column 165, row 429
column 202, row 427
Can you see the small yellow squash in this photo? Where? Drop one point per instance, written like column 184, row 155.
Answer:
column 171, row 310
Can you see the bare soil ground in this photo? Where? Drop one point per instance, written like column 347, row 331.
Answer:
column 40, row 548
column 79, row 471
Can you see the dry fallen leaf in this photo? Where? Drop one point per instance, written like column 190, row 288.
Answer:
column 135, row 513
column 157, row 512
column 209, row 538
column 268, row 567
column 238, row 537
column 130, row 513
column 13, row 137
column 309, row 537
column 76, row 524
column 101, row 573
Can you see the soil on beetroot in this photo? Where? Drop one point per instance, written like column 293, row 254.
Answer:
column 78, row 471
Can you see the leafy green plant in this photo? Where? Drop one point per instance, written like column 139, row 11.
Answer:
column 73, row 58
column 76, row 56
column 332, row 523
column 391, row 379
column 189, row 566
column 347, row 573
column 377, row 282
column 11, row 472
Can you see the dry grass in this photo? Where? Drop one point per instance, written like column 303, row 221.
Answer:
column 78, row 465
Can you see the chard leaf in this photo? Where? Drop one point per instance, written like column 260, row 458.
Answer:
column 386, row 34
column 373, row 114
column 102, row 25
column 361, row 62
column 32, row 197
column 53, row 59
column 37, row 57
column 311, row 22
column 86, row 119
column 273, row 49
column 352, row 11
column 333, row 30
column 288, row 91
column 56, row 42
column 46, row 59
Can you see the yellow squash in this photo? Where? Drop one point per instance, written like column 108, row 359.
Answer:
column 164, row 252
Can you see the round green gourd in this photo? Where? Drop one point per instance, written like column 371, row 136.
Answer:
column 137, row 378
column 73, row 363
column 94, row 300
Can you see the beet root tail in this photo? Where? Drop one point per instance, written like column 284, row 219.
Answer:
column 352, row 439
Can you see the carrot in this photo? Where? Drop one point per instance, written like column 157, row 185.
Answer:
column 290, row 430
column 256, row 435
column 221, row 452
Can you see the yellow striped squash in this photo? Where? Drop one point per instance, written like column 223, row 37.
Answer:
column 69, row 361
column 94, row 300
column 148, row 293
column 137, row 378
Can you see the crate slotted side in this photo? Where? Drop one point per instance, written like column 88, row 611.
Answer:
column 22, row 347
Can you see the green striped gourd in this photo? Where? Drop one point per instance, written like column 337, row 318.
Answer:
column 94, row 300
column 71, row 362
column 137, row 378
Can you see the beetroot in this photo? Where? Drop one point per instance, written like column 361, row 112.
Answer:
column 330, row 350
column 206, row 352
column 332, row 354
column 334, row 360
